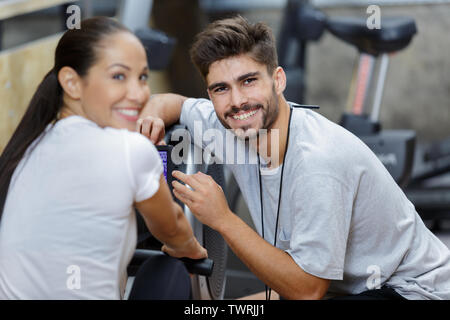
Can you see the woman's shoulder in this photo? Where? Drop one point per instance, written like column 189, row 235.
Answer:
column 130, row 138
column 87, row 136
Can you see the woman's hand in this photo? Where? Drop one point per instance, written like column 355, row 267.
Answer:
column 153, row 128
column 191, row 249
column 161, row 110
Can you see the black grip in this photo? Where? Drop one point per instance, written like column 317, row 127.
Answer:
column 203, row 267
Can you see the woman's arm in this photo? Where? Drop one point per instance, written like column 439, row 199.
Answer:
column 162, row 110
column 166, row 221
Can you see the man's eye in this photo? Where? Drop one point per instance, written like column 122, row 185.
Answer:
column 119, row 76
column 249, row 80
column 219, row 89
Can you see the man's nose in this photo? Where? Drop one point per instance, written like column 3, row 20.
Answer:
column 238, row 98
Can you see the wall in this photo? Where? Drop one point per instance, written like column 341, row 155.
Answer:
column 21, row 70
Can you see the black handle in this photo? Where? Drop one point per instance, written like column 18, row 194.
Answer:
column 203, row 267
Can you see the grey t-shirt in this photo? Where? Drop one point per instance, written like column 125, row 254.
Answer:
column 342, row 216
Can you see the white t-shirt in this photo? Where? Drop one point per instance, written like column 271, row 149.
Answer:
column 342, row 215
column 68, row 229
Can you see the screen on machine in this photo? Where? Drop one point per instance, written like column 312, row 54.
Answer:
column 165, row 154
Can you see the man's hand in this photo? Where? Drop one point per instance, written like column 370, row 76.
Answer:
column 153, row 128
column 205, row 198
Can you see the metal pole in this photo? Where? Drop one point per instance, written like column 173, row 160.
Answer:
column 375, row 115
column 363, row 82
column 1, row 35
column 135, row 14
column 88, row 8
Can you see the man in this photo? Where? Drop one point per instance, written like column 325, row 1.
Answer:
column 332, row 219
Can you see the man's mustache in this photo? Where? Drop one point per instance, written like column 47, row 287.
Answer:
column 246, row 107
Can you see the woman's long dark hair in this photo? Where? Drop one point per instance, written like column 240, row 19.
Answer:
column 76, row 49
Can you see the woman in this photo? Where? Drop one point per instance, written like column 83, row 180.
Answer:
column 71, row 176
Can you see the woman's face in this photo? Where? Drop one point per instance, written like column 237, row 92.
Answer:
column 115, row 89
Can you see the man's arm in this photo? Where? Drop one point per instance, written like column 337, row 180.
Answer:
column 162, row 110
column 273, row 266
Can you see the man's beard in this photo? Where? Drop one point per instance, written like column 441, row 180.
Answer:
column 269, row 115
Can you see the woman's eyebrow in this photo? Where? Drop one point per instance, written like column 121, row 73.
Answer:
column 119, row 65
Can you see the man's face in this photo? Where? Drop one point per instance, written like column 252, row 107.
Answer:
column 244, row 95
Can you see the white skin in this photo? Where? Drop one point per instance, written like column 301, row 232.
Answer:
column 244, row 102
column 233, row 83
column 113, row 94
column 115, row 89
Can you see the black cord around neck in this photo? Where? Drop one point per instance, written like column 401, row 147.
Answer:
column 269, row 291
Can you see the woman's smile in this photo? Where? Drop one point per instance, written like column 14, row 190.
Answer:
column 129, row 114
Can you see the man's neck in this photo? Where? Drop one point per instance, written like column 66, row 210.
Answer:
column 272, row 146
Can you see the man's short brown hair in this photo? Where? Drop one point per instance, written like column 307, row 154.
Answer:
column 232, row 37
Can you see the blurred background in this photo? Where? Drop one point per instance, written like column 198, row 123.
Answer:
column 417, row 87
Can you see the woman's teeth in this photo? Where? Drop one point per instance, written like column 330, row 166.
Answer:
column 129, row 112
column 245, row 115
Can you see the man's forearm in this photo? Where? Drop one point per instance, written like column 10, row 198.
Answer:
column 273, row 266
column 166, row 106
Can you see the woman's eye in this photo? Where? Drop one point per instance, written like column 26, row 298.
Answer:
column 144, row 77
column 119, row 76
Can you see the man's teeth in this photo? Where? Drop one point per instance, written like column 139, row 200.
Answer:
column 129, row 112
column 245, row 115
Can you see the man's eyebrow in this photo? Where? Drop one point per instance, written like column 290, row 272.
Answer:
column 240, row 78
column 248, row 75
column 215, row 85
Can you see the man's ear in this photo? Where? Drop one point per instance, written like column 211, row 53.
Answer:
column 70, row 82
column 279, row 78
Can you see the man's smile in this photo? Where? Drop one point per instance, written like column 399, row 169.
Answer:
column 245, row 115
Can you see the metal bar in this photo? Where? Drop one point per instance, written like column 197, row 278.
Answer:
column 135, row 14
column 365, row 73
column 88, row 8
column 202, row 267
column 365, row 3
column 11, row 8
column 1, row 35
column 375, row 114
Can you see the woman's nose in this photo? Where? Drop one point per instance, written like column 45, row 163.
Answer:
column 138, row 92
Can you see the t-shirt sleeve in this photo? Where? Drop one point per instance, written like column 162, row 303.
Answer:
column 145, row 166
column 320, row 225
column 205, row 129
column 196, row 112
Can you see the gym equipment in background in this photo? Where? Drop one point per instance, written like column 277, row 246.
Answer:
column 422, row 170
column 429, row 188
column 394, row 148
column 303, row 23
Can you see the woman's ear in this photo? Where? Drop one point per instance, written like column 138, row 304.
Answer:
column 279, row 78
column 70, row 81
